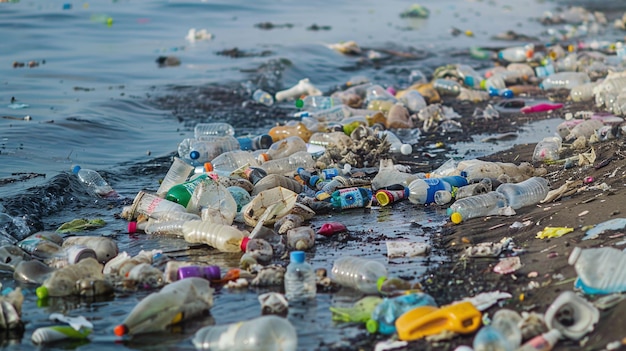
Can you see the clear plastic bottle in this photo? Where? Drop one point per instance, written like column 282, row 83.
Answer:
column 283, row 148
column 388, row 175
column 282, row 132
column 316, row 103
column 231, row 160
column 289, row 164
column 214, row 203
column 304, row 86
column 489, row 338
column 600, row 270
column 584, row 129
column 547, row 149
column 157, row 208
column 507, row 322
column 299, row 279
column 274, row 180
column 517, row 53
column 583, row 92
column 94, row 182
column 269, row 333
column 377, row 92
column 62, row 282
column 333, row 138
column 471, row 78
column 482, row 187
column 263, row 97
column 177, row 174
column 482, row 205
column 447, row 87
column 206, row 149
column 422, row 191
column 252, row 143
column 413, row 100
column 397, row 146
column 564, row 80
column 301, row 238
column 202, row 130
column 358, row 273
column 525, row 193
column 181, row 193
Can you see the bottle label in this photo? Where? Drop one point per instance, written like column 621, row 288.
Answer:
column 434, row 184
column 351, row 198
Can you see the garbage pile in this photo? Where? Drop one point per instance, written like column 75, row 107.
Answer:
column 254, row 195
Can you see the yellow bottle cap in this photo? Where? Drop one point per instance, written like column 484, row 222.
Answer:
column 456, row 218
column 383, row 198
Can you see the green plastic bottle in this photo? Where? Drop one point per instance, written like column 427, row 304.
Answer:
column 181, row 193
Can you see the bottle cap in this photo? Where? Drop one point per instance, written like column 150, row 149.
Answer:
column 456, row 218
column 194, row 155
column 299, row 103
column 264, row 157
column 371, row 325
column 120, row 330
column 244, row 244
column 406, row 149
column 313, row 180
column 383, row 197
column 212, row 272
column 380, row 282
column 245, row 143
column 75, row 169
column 297, row 256
column 208, row 167
column 42, row 292
column 132, row 227
column 189, row 271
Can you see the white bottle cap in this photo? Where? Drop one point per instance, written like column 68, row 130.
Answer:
column 406, row 149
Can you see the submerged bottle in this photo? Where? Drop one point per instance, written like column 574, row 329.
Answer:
column 491, row 203
column 564, row 80
column 599, row 269
column 202, row 130
column 94, row 182
column 299, row 279
column 269, row 333
column 358, row 273
column 177, row 174
column 525, row 193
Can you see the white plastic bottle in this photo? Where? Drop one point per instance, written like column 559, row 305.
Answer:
column 600, row 270
column 94, row 182
column 583, row 92
column 299, row 279
column 206, row 149
column 422, row 191
column 177, row 174
column 288, row 165
column 268, row 333
column 225, row 238
column 202, row 130
column 564, row 80
column 517, row 53
column 491, row 203
column 358, row 273
column 525, row 193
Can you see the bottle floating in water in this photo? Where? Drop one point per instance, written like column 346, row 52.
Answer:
column 263, row 97
column 62, row 282
column 94, row 182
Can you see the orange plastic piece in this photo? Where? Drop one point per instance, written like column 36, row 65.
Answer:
column 232, row 274
column 423, row 321
column 281, row 132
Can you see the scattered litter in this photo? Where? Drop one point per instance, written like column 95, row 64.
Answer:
column 415, row 11
column 489, row 249
column 389, row 345
column 397, row 249
column 81, row 224
column 485, row 300
column 611, row 224
column 553, row 232
column 202, row 34
column 508, row 265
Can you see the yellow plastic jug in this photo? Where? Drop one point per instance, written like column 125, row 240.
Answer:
column 422, row 321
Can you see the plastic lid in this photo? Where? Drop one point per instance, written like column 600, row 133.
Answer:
column 469, row 81
column 383, row 198
column 212, row 272
column 189, row 271
column 120, row 330
column 456, row 218
column 42, row 292
column 244, row 244
column 264, row 157
column 406, row 149
column 483, row 84
column 371, row 325
column 507, row 93
column 75, row 169
column 132, row 227
column 194, row 155
column 299, row 103
column 265, row 140
column 380, row 282
column 208, row 167
column 297, row 256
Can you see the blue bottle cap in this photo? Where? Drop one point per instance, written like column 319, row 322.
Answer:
column 296, row 256
column 194, row 155
column 469, row 81
column 75, row 169
column 507, row 93
column 314, row 179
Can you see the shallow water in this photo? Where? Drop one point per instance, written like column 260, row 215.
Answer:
column 101, row 101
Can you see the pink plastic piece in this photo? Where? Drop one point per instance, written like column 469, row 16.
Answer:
column 331, row 228
column 540, row 108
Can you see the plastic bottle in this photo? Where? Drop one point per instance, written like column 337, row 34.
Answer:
column 157, row 208
column 543, row 342
column 301, row 238
column 525, row 193
column 181, row 193
column 316, row 103
column 56, row 333
column 269, row 333
column 231, row 160
column 599, row 269
column 447, row 87
column 42, row 245
column 547, row 149
column 94, row 182
column 397, row 146
column 62, row 282
column 358, row 273
column 283, row 148
column 517, row 53
column 206, row 149
column 282, row 132
column 202, row 130
column 413, row 100
column 507, row 322
column 471, row 78
column 263, row 97
column 252, row 143
column 177, row 174
column 332, row 138
column 225, row 238
column 299, row 279
column 584, row 129
column 482, row 187
column 214, row 203
column 240, row 195
column 275, row 180
column 32, row 272
column 174, row 303
column 482, row 205
column 388, row 175
column 377, row 92
column 564, row 80
column 288, row 165
column 388, row 196
column 583, row 92
column 489, row 338
column 304, row 86
column 354, row 197
column 422, row 191
column 70, row 255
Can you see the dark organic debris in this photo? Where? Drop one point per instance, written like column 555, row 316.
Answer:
column 236, row 53
column 270, row 25
column 316, row 27
column 168, row 61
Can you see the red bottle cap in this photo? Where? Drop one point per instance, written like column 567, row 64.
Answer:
column 132, row 227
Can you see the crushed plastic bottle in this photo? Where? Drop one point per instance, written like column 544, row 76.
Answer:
column 384, row 315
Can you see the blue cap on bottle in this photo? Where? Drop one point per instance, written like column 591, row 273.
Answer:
column 507, row 93
column 194, row 155
column 297, row 256
column 314, row 179
column 75, row 169
column 469, row 81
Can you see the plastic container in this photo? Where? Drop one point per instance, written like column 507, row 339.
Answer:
column 388, row 196
column 181, row 193
column 62, row 282
column 398, row 117
column 94, row 182
column 572, row 315
column 282, row 132
column 283, row 148
column 71, row 255
column 301, row 238
column 508, row 322
column 174, row 303
column 471, row 78
column 447, row 87
column 526, row 193
column 489, row 338
column 332, row 138
column 178, row 173
column 599, row 269
column 274, row 180
column 517, row 53
column 316, row 103
column 289, row 165
column 303, row 87
column 268, row 333
column 376, row 92
column 263, row 97
column 422, row 191
column 240, row 195
column 385, row 313
column 358, row 273
column 206, row 272
column 232, row 160
column 32, row 272
column 483, row 205
column 299, row 279
column 202, row 130
column 57, row 333
column 214, row 203
column 199, row 151
column 413, row 100
column 543, row 342
column 252, row 143
column 397, row 146
column 564, row 80
column 461, row 317
column 584, row 129
column 225, row 238
column 547, row 149
column 583, row 92
column 388, row 175
column 354, row 197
